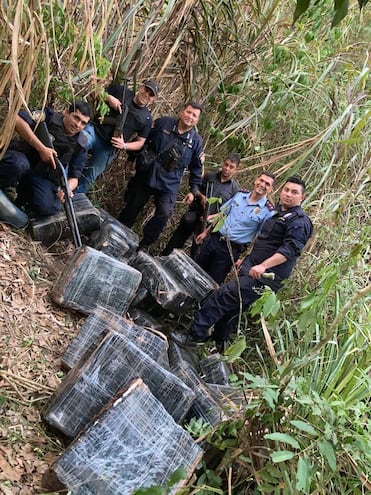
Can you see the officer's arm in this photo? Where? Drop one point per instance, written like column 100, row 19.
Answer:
column 27, row 134
column 256, row 271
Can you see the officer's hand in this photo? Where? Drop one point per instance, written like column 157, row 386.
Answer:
column 256, row 271
column 60, row 195
column 47, row 155
column 118, row 142
column 72, row 184
column 114, row 103
column 202, row 200
column 189, row 199
column 239, row 263
column 199, row 239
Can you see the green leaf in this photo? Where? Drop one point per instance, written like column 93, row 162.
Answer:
column 301, row 7
column 341, row 10
column 328, row 453
column 303, row 475
column 281, row 456
column 235, row 350
column 269, row 304
column 303, row 426
column 153, row 490
column 271, row 396
column 283, row 437
column 177, row 476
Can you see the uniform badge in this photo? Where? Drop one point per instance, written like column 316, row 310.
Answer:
column 38, row 116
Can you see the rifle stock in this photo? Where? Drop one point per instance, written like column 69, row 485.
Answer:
column 42, row 133
column 121, row 119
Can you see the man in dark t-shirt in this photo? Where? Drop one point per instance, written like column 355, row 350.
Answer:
column 102, row 142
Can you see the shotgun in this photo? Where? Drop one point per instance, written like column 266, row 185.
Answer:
column 121, row 118
column 42, row 132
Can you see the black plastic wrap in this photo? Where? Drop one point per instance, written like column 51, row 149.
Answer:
column 55, row 227
column 189, row 274
column 214, row 370
column 91, row 279
column 161, row 285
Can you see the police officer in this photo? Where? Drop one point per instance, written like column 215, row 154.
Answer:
column 30, row 164
column 245, row 213
column 220, row 185
column 102, row 141
column 172, row 146
column 275, row 250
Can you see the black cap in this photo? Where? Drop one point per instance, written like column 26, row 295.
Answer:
column 153, row 86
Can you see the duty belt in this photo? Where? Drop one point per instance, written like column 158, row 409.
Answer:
column 234, row 245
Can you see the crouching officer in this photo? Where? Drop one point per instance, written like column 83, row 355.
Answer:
column 29, row 165
column 276, row 250
column 172, row 146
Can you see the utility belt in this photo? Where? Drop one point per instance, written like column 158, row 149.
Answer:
column 234, row 245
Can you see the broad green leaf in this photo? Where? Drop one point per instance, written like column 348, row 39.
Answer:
column 235, row 350
column 281, row 456
column 269, row 304
column 271, row 396
column 178, row 475
column 283, row 437
column 328, row 453
column 303, row 475
column 302, row 425
column 341, row 10
column 301, row 7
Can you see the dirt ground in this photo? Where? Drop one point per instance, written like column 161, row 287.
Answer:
column 34, row 334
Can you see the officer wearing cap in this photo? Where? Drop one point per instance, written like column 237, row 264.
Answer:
column 275, row 251
column 102, row 142
column 172, row 146
column 245, row 214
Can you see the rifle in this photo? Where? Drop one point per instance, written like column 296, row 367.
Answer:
column 121, row 118
column 196, row 248
column 42, row 133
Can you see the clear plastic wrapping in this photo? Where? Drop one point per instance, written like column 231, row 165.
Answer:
column 133, row 444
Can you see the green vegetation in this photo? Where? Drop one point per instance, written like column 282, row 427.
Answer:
column 291, row 99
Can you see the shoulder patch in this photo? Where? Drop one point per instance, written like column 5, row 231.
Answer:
column 269, row 205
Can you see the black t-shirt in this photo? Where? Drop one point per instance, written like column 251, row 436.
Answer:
column 138, row 121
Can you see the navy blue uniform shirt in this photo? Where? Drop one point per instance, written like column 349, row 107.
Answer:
column 163, row 135
column 286, row 233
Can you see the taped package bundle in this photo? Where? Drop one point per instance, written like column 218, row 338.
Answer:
column 214, row 370
column 143, row 319
column 96, row 327
column 189, row 274
column 109, row 369
column 133, row 444
column 233, row 400
column 161, row 285
column 91, row 279
column 55, row 227
column 131, row 237
column 204, row 405
column 113, row 239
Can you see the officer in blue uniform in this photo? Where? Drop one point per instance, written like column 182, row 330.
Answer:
column 276, row 250
column 245, row 214
column 29, row 165
column 172, row 146
column 102, row 142
column 221, row 185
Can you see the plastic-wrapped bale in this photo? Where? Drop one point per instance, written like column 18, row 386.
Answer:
column 143, row 319
column 214, row 370
column 161, row 285
column 204, row 405
column 133, row 444
column 131, row 238
column 97, row 325
column 55, row 227
column 91, row 279
column 233, row 400
column 179, row 354
column 189, row 274
column 112, row 239
column 110, row 368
